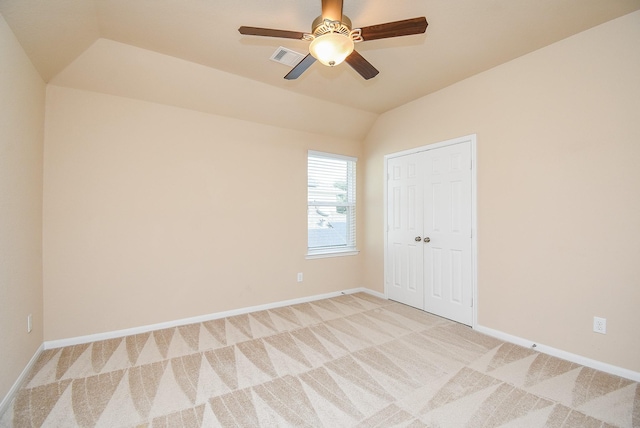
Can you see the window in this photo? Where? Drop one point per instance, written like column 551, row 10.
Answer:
column 331, row 204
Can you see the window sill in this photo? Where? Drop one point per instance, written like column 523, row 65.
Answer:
column 331, row 253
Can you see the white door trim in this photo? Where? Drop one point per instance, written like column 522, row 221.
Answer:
column 474, row 211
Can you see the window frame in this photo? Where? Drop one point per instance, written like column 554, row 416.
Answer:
column 350, row 204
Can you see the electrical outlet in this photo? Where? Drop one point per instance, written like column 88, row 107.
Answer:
column 299, row 276
column 29, row 323
column 600, row 325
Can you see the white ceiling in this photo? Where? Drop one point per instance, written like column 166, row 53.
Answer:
column 464, row 37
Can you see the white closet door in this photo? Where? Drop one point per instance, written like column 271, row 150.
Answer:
column 405, row 249
column 429, row 218
column 447, row 224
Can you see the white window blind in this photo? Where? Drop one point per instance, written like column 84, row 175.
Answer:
column 331, row 208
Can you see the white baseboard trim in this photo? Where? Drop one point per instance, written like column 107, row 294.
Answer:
column 574, row 358
column 371, row 292
column 52, row 344
column 6, row 401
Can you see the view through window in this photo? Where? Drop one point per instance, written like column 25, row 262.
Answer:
column 331, row 210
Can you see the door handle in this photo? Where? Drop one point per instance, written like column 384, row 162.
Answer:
column 427, row 239
column 418, row 239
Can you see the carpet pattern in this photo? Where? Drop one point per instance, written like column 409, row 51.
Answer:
column 349, row 361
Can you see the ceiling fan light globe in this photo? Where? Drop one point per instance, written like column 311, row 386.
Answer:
column 331, row 49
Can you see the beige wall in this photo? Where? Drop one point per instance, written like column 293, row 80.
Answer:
column 154, row 213
column 558, row 188
column 21, row 136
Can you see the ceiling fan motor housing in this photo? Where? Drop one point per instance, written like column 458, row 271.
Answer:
column 322, row 26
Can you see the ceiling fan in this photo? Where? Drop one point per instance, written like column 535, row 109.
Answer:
column 333, row 36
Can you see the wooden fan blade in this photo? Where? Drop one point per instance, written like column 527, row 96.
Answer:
column 361, row 65
column 405, row 27
column 301, row 67
column 268, row 32
column 332, row 9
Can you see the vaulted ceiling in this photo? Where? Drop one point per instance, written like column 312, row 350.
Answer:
column 464, row 37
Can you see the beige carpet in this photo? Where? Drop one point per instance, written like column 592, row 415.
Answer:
column 349, row 361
